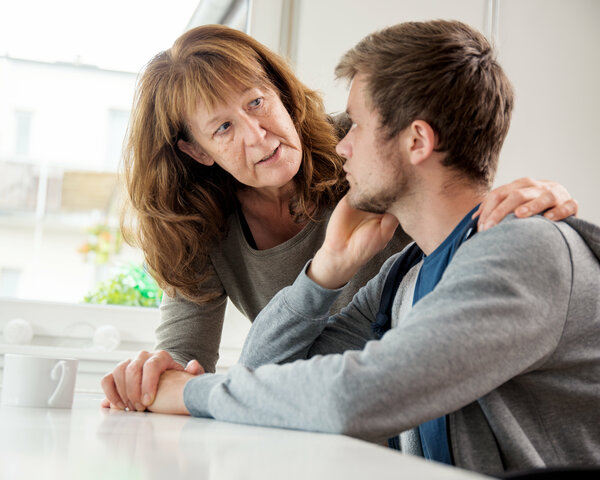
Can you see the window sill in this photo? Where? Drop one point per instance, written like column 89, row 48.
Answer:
column 66, row 330
column 72, row 321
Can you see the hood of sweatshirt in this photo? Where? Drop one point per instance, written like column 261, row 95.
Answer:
column 589, row 232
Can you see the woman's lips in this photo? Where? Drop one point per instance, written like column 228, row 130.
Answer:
column 271, row 158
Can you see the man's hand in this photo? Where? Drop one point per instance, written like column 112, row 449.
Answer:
column 169, row 395
column 526, row 197
column 133, row 383
column 352, row 238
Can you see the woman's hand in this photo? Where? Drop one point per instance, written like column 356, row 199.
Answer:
column 352, row 238
column 133, row 383
column 526, row 197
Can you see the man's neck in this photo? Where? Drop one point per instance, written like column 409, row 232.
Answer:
column 431, row 216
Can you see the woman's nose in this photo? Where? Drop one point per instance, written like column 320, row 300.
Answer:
column 254, row 132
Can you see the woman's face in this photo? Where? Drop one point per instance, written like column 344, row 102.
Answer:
column 251, row 136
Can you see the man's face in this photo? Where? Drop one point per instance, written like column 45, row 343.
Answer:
column 378, row 174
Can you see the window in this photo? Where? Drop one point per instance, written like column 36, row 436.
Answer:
column 65, row 101
column 23, row 132
column 117, row 127
column 9, row 281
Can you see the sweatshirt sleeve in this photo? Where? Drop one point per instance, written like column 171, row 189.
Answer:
column 192, row 331
column 296, row 323
column 498, row 312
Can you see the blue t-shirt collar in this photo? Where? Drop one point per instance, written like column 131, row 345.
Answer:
column 461, row 232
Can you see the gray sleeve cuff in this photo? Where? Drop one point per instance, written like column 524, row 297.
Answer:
column 197, row 392
column 315, row 299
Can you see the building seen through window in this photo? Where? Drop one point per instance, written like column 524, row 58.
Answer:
column 66, row 90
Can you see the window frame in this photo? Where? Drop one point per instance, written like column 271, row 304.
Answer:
column 66, row 329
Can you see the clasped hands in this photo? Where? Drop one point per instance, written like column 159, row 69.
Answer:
column 152, row 381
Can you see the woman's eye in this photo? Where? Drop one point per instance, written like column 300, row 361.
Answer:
column 223, row 128
column 256, row 102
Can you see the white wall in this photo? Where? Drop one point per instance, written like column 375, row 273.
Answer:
column 326, row 30
column 549, row 49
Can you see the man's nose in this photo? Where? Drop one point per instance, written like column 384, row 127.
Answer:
column 343, row 148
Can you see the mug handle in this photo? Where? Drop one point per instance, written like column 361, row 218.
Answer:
column 59, row 372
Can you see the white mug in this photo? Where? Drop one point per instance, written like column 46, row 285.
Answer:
column 31, row 381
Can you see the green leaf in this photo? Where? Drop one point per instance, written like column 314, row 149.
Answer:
column 132, row 286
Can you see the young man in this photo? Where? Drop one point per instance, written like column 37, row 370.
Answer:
column 484, row 350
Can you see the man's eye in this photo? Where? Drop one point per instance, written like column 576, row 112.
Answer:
column 257, row 102
column 223, row 128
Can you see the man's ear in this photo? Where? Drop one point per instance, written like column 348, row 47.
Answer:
column 421, row 141
column 194, row 151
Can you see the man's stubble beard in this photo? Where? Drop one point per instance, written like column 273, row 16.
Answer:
column 379, row 203
column 401, row 183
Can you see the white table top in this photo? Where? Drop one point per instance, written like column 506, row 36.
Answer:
column 89, row 442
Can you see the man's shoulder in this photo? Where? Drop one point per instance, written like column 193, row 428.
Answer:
column 533, row 223
column 515, row 244
column 514, row 234
column 543, row 234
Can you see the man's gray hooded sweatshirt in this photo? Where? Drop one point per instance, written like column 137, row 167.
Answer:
column 507, row 344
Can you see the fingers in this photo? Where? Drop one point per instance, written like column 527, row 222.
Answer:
column 496, row 197
column 133, row 380
column 105, row 403
column 109, row 386
column 120, row 380
column 543, row 201
column 492, row 200
column 568, row 208
column 194, row 368
column 526, row 197
column 504, row 203
column 389, row 223
column 154, row 366
column 561, row 194
column 554, row 199
column 132, row 384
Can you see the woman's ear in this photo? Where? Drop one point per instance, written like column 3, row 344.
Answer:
column 421, row 141
column 194, row 151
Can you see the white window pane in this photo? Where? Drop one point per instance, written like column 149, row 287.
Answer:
column 23, row 122
column 65, row 98
column 9, row 281
column 65, row 102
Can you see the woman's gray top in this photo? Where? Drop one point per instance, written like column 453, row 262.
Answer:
column 250, row 278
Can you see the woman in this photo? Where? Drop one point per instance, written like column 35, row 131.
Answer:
column 232, row 174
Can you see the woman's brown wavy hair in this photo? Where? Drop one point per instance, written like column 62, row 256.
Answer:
column 177, row 208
